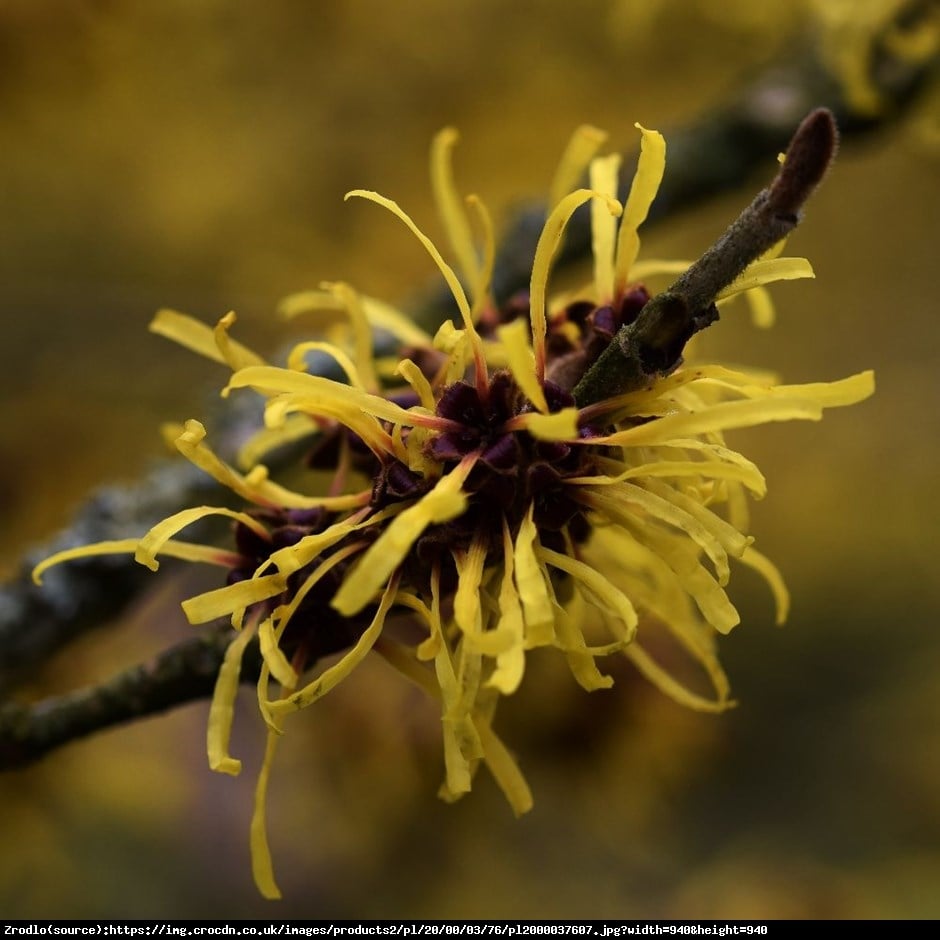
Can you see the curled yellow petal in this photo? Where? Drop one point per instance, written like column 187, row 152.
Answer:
column 274, row 660
column 233, row 354
column 446, row 270
column 295, row 428
column 481, row 287
column 847, row 391
column 606, row 594
column 262, row 868
column 450, row 206
column 441, row 504
column 514, row 337
column 468, row 613
column 682, row 557
column 740, row 472
column 545, row 250
column 187, row 551
column 643, row 189
column 767, row 271
column 418, row 381
column 233, row 597
column 458, row 360
column 297, row 359
column 379, row 314
column 328, row 397
column 771, row 575
column 723, row 417
column 505, row 771
column 317, row 407
column 156, row 539
column 603, row 178
column 510, row 663
column 331, row 677
column 272, row 654
column 531, row 584
column 362, row 332
column 557, row 426
column 670, row 686
column 581, row 147
column 222, row 708
column 292, row 558
column 460, row 738
column 255, row 486
column 285, row 613
column 469, row 674
column 580, row 657
column 110, row 547
column 198, row 337
column 623, row 502
column 731, row 539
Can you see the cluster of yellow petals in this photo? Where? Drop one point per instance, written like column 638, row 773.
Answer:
column 667, row 505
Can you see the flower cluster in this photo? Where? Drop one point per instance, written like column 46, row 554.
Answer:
column 476, row 512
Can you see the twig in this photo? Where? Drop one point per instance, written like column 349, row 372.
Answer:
column 36, row 622
column 184, row 673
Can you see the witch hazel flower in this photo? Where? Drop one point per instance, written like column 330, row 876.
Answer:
column 493, row 490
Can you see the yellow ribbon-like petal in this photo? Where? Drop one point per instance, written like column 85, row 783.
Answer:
column 222, row 708
column 724, row 417
column 262, row 868
column 545, row 250
column 468, row 613
column 441, row 504
column 531, row 584
column 362, row 332
column 200, row 338
column 670, row 686
column 581, row 147
column 331, row 677
column 233, row 354
column 233, row 597
column 155, row 541
column 771, row 574
column 643, row 189
column 505, row 771
column 450, row 206
column 264, row 440
column 297, row 359
column 604, row 172
column 187, row 551
column 255, row 486
column 606, row 594
column 557, row 426
column 767, row 271
column 272, row 654
column 446, row 270
column 510, row 663
column 481, row 286
column 521, row 361
column 379, row 314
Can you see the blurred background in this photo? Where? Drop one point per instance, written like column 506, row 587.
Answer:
column 194, row 154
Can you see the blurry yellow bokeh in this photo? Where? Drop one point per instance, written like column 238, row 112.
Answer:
column 194, row 154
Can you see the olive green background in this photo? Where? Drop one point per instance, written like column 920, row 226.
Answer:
column 194, row 154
